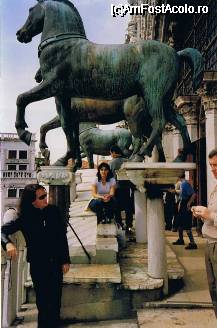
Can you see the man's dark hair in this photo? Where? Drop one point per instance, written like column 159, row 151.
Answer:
column 182, row 176
column 107, row 167
column 212, row 153
column 28, row 196
column 115, row 149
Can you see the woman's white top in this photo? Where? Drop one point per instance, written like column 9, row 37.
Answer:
column 103, row 189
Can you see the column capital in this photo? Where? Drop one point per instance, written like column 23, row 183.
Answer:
column 188, row 106
column 209, row 84
column 154, row 173
column 55, row 176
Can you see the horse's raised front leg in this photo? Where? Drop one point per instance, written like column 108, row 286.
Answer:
column 43, row 91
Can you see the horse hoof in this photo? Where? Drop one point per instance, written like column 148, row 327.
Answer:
column 179, row 159
column 46, row 153
column 62, row 161
column 137, row 158
column 43, row 146
column 25, row 136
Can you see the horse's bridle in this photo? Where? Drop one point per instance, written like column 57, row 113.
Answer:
column 58, row 37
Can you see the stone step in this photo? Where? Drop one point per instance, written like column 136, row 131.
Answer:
column 83, row 196
column 88, row 179
column 78, row 209
column 110, row 291
column 29, row 314
column 107, row 230
column 106, row 250
column 97, row 293
column 83, row 186
column 82, row 227
column 87, row 172
column 167, row 318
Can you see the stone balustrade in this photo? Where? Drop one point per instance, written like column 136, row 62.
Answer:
column 17, row 175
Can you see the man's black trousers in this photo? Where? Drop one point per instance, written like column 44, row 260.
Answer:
column 47, row 279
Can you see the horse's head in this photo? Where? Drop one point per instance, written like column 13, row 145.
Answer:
column 33, row 24
column 51, row 17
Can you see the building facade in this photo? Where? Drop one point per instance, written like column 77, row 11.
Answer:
column 199, row 109
column 17, row 168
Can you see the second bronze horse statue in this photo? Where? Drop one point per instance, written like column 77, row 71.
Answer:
column 72, row 66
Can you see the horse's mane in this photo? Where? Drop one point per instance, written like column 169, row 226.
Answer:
column 70, row 4
column 67, row 2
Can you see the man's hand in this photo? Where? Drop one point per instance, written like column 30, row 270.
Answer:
column 65, row 267
column 11, row 250
column 202, row 212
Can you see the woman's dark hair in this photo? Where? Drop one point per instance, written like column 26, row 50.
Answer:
column 107, row 167
column 28, row 196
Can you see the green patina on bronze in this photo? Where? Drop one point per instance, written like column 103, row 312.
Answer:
column 72, row 66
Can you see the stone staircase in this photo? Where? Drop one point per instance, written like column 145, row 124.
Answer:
column 115, row 284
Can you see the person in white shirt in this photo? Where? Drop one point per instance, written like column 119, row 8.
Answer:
column 103, row 191
column 209, row 231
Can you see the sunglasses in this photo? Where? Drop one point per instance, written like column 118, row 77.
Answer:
column 42, row 197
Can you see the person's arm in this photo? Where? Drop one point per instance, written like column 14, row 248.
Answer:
column 191, row 201
column 65, row 258
column 112, row 190
column 9, row 229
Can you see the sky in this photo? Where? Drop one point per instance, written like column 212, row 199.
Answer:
column 19, row 62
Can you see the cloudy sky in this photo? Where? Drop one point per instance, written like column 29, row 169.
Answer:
column 19, row 61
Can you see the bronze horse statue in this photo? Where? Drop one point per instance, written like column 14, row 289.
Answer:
column 107, row 112
column 72, row 66
column 97, row 141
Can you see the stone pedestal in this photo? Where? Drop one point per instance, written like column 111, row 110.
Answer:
column 58, row 179
column 152, row 178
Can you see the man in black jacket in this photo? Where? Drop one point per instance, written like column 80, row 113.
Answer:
column 124, row 190
column 47, row 250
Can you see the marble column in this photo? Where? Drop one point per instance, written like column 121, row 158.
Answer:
column 140, row 200
column 58, row 179
column 157, row 266
column 208, row 94
column 151, row 178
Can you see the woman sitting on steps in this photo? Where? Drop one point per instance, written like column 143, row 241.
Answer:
column 103, row 191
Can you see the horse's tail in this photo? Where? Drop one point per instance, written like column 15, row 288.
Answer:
column 196, row 62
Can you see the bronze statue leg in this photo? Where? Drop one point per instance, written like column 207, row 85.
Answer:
column 70, row 126
column 178, row 121
column 50, row 125
column 157, row 125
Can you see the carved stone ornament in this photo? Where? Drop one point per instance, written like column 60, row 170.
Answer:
column 55, row 176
